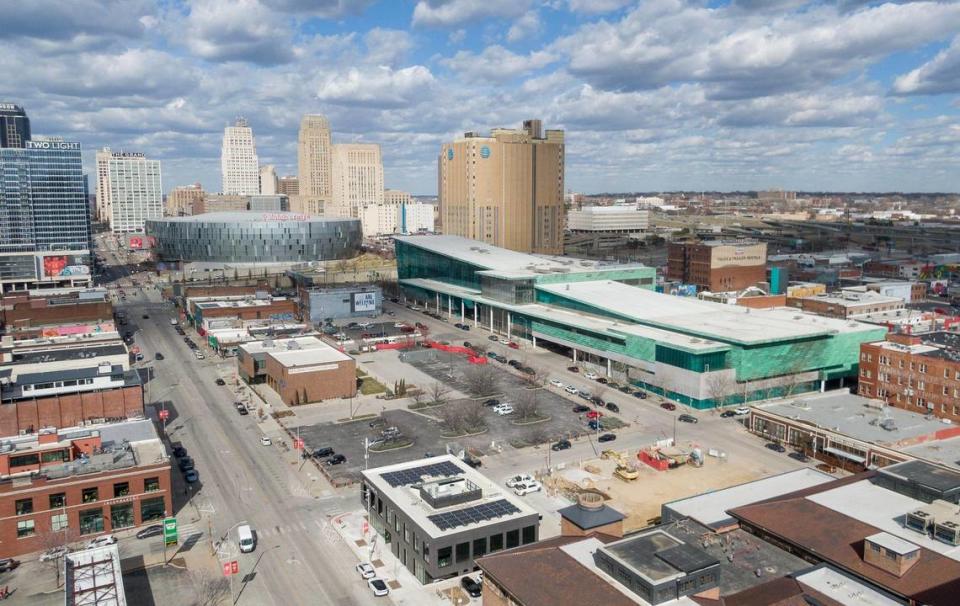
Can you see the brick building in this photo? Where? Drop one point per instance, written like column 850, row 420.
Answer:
column 300, row 370
column 846, row 304
column 68, row 485
column 202, row 310
column 920, row 373
column 717, row 266
column 24, row 316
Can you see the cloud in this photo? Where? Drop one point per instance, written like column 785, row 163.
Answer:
column 940, row 75
column 67, row 19
column 237, row 30
column 527, row 26
column 376, row 87
column 597, row 6
column 451, row 13
column 497, row 63
column 321, row 8
column 835, row 108
column 387, row 46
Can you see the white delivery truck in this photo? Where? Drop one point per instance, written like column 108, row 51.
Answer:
column 245, row 538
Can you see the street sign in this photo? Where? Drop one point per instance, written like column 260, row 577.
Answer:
column 298, row 443
column 230, row 568
column 170, row 531
column 164, row 414
column 226, row 569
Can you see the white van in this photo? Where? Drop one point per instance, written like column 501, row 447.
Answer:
column 245, row 538
column 173, row 321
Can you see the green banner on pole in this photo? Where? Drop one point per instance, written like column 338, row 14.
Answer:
column 170, row 531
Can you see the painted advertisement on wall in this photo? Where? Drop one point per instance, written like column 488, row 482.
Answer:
column 139, row 242
column 747, row 255
column 78, row 329
column 62, row 266
column 364, row 301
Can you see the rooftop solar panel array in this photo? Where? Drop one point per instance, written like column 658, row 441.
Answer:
column 405, row 477
column 470, row 515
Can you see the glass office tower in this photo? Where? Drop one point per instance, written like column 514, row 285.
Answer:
column 14, row 126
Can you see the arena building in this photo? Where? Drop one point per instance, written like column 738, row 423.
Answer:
column 254, row 237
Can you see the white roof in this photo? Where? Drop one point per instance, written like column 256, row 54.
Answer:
column 843, row 589
column 297, row 351
column 93, row 578
column 892, row 543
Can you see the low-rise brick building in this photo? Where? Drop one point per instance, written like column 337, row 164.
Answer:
column 200, row 311
column 301, row 370
column 718, row 266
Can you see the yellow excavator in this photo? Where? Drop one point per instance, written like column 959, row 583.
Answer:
column 625, row 470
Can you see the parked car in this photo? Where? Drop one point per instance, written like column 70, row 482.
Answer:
column 378, row 587
column 580, row 408
column 366, row 570
column 573, row 369
column 688, row 418
column 265, row 441
column 501, row 359
column 584, row 394
column 799, row 456
column 503, row 409
column 515, row 363
column 336, row 459
column 146, row 317
column 556, row 383
column 726, row 414
column 741, row 410
column 150, row 531
column 602, row 381
column 597, row 401
column 220, row 382
column 493, row 338
column 561, row 445
column 463, row 326
column 473, row 588
column 594, row 414
column 612, row 407
column 325, row 451
column 519, row 479
column 570, row 389
column 191, row 476
column 158, row 356
column 185, row 464
column 592, row 375
column 199, row 355
column 242, row 409
column 607, row 437
column 54, row 553
column 668, row 406
column 776, row 447
column 107, row 539
column 513, row 345
column 624, row 389
column 527, row 487
column 179, row 451
column 596, row 425
column 8, row 564
column 491, row 402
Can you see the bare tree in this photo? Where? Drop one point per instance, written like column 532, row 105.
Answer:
column 537, row 436
column 451, row 417
column 207, row 589
column 51, row 540
column 790, row 384
column 527, row 406
column 438, row 393
column 463, row 417
column 535, row 377
column 482, row 380
column 473, row 417
column 718, row 386
column 416, row 394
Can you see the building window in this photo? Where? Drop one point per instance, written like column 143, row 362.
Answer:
column 58, row 522
column 923, row 368
column 444, row 556
column 874, row 547
column 151, row 484
column 91, row 521
column 529, row 534
column 24, row 506
column 496, row 542
column 890, row 554
column 152, row 509
column 479, row 547
column 121, row 489
column 24, row 460
column 90, row 495
column 513, row 538
column 24, row 528
column 463, row 552
column 121, row 516
column 58, row 500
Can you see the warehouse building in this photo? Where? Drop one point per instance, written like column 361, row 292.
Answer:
column 606, row 315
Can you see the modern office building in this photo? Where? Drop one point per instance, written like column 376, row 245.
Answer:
column 181, row 199
column 320, row 303
column 607, row 316
column 44, row 216
column 268, row 180
column 357, row 170
column 407, row 217
column 717, row 266
column 438, row 515
column 620, row 218
column 288, row 185
column 128, row 190
column 14, row 126
column 314, row 159
column 255, row 237
column 505, row 189
column 239, row 165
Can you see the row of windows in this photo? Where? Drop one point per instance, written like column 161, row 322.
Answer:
column 88, row 495
column 91, row 520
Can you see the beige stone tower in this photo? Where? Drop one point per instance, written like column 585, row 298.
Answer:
column 314, row 157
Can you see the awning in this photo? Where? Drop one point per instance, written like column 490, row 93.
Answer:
column 845, row 455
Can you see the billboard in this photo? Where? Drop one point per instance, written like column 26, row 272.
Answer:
column 747, row 255
column 78, row 329
column 364, row 301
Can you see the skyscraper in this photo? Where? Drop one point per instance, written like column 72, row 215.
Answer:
column 314, row 159
column 505, row 189
column 357, row 170
column 181, row 199
column 128, row 190
column 268, row 180
column 288, row 185
column 14, row 126
column 239, row 165
column 44, row 215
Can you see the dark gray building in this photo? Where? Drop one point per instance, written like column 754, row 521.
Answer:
column 337, row 303
column 14, row 126
column 254, row 237
column 438, row 515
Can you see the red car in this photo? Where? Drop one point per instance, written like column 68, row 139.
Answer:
column 513, row 345
column 668, row 406
column 594, row 414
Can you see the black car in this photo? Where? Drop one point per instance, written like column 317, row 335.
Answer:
column 602, row 380
column 220, row 382
column 501, row 359
column 467, row 345
column 580, row 408
column 242, row 409
column 799, row 456
column 726, row 414
column 185, row 464
column 688, row 418
column 624, row 389
column 597, row 401
column 607, row 437
column 8, row 564
column 473, row 588
column 493, row 338
column 640, row 394
column 491, row 402
column 146, row 317
column 153, row 530
column 527, row 370
column 561, row 445
column 612, row 407
column 179, row 451
column 336, row 459
column 776, row 447
column 158, row 356
column 394, row 300
column 515, row 363
column 326, row 451
column 185, row 339
column 462, row 326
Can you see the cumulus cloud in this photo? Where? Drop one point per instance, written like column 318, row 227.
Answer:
column 66, row 19
column 497, row 63
column 526, row 26
column 938, row 76
column 449, row 13
column 321, row 8
column 237, row 30
column 597, row 6
column 376, row 87
column 387, row 46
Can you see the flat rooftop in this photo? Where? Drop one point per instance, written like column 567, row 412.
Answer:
column 93, row 577
column 725, row 323
column 238, row 303
column 63, row 352
column 296, row 351
column 852, row 415
column 855, row 299
column 843, row 588
column 945, row 452
column 400, row 483
column 710, row 508
column 251, row 217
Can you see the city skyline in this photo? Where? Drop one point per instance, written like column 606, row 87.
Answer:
column 660, row 95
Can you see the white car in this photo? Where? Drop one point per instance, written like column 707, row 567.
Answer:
column 173, row 321
column 364, row 325
column 520, row 479
column 399, row 324
column 741, row 410
column 54, row 553
column 366, row 570
column 378, row 587
column 592, row 375
column 200, row 355
column 504, row 341
column 556, row 383
column 107, row 539
column 503, row 409
column 527, row 488
column 265, row 441
column 571, row 389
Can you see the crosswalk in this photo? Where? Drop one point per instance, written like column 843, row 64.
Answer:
column 315, row 528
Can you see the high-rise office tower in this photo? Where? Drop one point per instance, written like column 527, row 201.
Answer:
column 128, row 190
column 288, row 185
column 181, row 200
column 239, row 165
column 357, row 179
column 268, row 180
column 14, row 126
column 44, row 216
column 505, row 189
column 314, row 160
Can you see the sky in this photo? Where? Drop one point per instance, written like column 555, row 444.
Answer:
column 654, row 95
